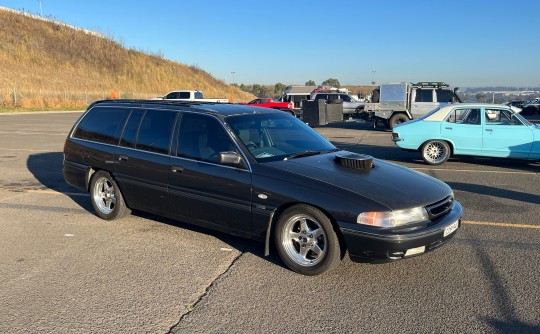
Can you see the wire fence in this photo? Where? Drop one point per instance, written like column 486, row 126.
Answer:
column 14, row 97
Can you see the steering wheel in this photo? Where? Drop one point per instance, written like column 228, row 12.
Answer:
column 251, row 146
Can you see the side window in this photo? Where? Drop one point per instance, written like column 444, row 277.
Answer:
column 184, row 95
column 155, row 131
column 130, row 130
column 444, row 95
column 202, row 138
column 198, row 95
column 464, row 116
column 345, row 97
column 173, row 95
column 424, row 95
column 501, row 117
column 102, row 125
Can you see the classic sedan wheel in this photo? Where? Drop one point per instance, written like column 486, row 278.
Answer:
column 435, row 152
column 306, row 240
column 106, row 197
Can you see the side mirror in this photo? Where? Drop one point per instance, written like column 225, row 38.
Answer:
column 230, row 158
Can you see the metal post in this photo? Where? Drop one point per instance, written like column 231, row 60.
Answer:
column 14, row 96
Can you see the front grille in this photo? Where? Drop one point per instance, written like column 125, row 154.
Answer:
column 441, row 208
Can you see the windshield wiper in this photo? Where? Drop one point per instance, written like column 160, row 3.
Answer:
column 308, row 153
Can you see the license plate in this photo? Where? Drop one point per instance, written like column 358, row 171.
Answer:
column 451, row 228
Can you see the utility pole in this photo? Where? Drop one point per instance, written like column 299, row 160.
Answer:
column 373, row 78
column 40, row 8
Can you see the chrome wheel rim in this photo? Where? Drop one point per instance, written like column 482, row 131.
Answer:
column 104, row 195
column 435, row 152
column 304, row 240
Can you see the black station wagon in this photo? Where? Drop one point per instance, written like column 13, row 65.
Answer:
column 256, row 173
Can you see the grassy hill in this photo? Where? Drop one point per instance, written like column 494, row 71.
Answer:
column 52, row 65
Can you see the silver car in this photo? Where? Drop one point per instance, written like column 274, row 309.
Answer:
column 350, row 104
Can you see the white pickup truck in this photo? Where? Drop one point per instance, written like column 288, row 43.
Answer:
column 189, row 95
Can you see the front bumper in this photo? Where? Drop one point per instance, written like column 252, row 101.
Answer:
column 369, row 243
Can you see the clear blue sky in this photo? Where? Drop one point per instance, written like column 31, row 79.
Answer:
column 463, row 42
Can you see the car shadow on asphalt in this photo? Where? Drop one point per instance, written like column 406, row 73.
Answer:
column 495, row 192
column 242, row 245
column 47, row 168
column 507, row 320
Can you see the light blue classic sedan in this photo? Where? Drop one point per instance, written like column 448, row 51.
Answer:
column 488, row 130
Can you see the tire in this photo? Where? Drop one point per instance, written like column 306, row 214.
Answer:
column 375, row 96
column 106, row 197
column 397, row 119
column 435, row 152
column 306, row 240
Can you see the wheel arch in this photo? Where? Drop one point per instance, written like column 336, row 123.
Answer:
column 276, row 214
column 448, row 141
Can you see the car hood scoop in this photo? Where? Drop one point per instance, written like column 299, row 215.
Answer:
column 354, row 160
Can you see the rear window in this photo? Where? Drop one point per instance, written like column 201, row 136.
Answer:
column 102, row 125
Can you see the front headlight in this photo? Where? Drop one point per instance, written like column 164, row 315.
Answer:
column 393, row 218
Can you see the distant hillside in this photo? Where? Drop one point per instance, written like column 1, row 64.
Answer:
column 48, row 64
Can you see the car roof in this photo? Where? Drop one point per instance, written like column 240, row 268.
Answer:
column 440, row 114
column 218, row 109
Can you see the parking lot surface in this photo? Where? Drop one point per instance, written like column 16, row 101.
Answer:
column 64, row 270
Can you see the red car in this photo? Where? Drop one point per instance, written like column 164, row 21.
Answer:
column 267, row 102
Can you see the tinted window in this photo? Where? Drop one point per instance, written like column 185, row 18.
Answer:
column 183, row 95
column 199, row 95
column 102, row 125
column 202, row 138
column 155, row 131
column 345, row 97
column 130, row 130
column 173, row 95
column 444, row 95
column 424, row 95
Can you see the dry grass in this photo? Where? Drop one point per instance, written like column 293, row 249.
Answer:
column 55, row 66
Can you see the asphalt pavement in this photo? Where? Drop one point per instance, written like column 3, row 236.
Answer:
column 64, row 270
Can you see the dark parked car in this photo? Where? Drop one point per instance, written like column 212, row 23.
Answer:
column 531, row 111
column 257, row 173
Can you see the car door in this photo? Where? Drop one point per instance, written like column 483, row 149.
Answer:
column 463, row 128
column 505, row 135
column 423, row 102
column 142, row 158
column 201, row 189
column 348, row 104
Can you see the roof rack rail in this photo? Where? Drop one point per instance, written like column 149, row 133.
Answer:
column 165, row 102
column 436, row 84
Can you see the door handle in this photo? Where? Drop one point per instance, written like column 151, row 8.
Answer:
column 177, row 169
column 123, row 158
column 489, row 130
column 448, row 128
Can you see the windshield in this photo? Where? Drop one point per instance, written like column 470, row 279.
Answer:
column 272, row 137
column 521, row 118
